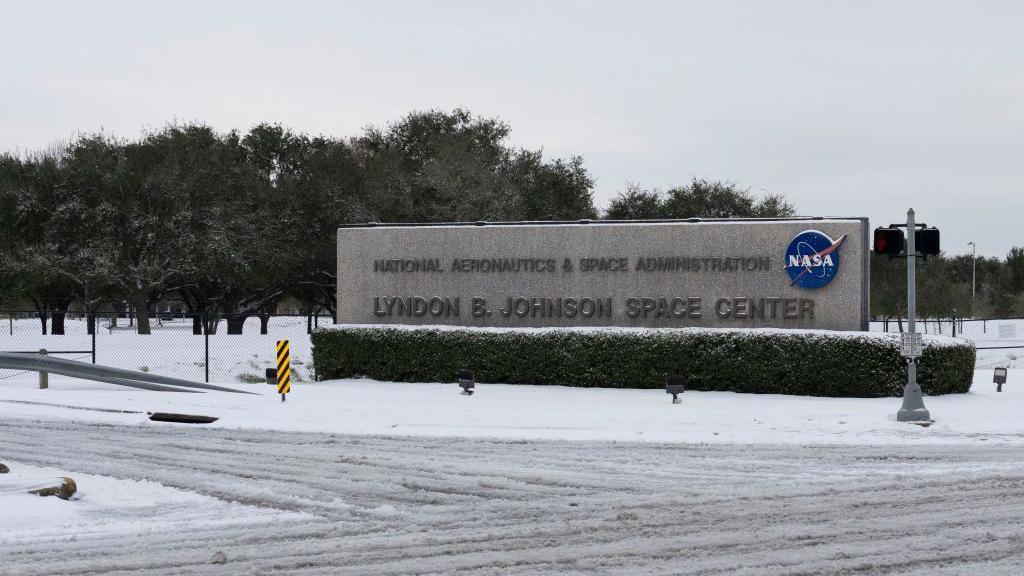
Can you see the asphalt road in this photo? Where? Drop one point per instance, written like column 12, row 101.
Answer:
column 378, row 505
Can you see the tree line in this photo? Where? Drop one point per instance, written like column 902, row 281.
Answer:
column 234, row 224
column 945, row 289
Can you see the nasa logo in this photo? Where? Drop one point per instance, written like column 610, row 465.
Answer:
column 812, row 259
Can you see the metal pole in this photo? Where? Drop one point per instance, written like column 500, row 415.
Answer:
column 44, row 377
column 913, row 409
column 206, row 339
column 95, row 325
column 974, row 273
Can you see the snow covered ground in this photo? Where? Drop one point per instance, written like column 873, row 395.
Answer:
column 329, row 504
column 545, row 412
column 1000, row 341
column 108, row 509
column 363, row 477
column 171, row 349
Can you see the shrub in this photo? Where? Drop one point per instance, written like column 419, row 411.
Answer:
column 766, row 361
column 250, row 378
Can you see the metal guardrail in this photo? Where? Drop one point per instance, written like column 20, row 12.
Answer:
column 48, row 351
column 118, row 376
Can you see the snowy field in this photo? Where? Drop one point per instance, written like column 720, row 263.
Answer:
column 171, row 349
column 1003, row 338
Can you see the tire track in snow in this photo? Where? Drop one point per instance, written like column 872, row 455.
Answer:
column 384, row 505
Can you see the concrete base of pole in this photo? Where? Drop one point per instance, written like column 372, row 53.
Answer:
column 920, row 415
column 913, row 409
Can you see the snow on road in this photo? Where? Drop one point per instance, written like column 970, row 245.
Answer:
column 341, row 504
column 361, row 477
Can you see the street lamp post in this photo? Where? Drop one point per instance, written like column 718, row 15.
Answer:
column 974, row 273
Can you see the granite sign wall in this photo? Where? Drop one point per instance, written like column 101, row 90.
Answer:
column 793, row 273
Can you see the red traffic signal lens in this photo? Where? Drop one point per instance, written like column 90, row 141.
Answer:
column 889, row 241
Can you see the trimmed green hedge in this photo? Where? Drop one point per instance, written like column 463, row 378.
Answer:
column 812, row 363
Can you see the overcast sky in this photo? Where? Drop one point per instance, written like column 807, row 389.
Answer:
column 848, row 108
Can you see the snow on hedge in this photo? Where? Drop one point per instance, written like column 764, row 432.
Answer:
column 762, row 360
column 891, row 337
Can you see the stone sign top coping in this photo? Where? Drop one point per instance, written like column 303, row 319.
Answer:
column 605, row 222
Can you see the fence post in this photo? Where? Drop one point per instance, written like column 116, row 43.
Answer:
column 94, row 326
column 206, row 341
column 44, row 377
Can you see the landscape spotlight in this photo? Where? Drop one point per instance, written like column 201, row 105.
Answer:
column 674, row 386
column 467, row 381
column 999, row 378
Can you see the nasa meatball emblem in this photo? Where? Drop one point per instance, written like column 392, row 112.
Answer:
column 812, row 259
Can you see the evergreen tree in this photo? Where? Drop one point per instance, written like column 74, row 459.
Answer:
column 698, row 199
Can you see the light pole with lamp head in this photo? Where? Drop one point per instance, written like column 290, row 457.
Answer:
column 974, row 273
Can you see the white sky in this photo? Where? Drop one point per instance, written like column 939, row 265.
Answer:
column 848, row 108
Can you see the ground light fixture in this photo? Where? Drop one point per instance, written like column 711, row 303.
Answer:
column 999, row 378
column 674, row 386
column 467, row 382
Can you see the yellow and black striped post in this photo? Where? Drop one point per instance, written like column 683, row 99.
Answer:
column 284, row 368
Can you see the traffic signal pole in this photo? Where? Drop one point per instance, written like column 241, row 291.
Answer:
column 913, row 409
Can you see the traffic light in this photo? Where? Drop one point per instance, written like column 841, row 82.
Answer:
column 926, row 241
column 889, row 241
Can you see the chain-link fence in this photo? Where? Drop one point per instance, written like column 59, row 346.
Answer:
column 205, row 349
column 999, row 341
column 187, row 346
